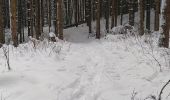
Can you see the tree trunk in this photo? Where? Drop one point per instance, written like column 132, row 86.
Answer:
column 141, row 17
column 37, row 26
column 49, row 14
column 114, row 13
column 98, row 19
column 131, row 13
column 157, row 12
column 148, row 2
column 76, row 11
column 2, row 37
column 13, row 7
column 107, row 13
column 121, row 12
column 164, row 25
column 60, row 18
column 41, row 15
column 88, row 14
column 29, row 17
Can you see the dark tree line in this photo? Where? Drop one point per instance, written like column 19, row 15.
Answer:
column 34, row 15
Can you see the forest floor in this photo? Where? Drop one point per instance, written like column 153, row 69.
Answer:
column 116, row 67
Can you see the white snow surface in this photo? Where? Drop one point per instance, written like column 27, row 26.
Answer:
column 115, row 67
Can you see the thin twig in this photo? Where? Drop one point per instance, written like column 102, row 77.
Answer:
column 161, row 92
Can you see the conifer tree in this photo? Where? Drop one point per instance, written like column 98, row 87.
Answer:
column 2, row 37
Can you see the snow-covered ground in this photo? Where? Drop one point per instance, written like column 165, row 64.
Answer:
column 117, row 67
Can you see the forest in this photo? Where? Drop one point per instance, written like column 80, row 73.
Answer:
column 27, row 18
column 84, row 50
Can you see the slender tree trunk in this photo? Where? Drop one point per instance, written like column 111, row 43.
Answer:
column 131, row 13
column 49, row 14
column 121, row 12
column 13, row 7
column 37, row 26
column 114, row 13
column 32, row 18
column 40, row 8
column 88, row 14
column 98, row 19
column 76, row 13
column 164, row 25
column 19, row 20
column 141, row 17
column 148, row 2
column 2, row 37
column 42, row 12
column 29, row 17
column 60, row 18
column 107, row 13
column 157, row 12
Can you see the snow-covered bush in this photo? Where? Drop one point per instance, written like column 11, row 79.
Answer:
column 123, row 29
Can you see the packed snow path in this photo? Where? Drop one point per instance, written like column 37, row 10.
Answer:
column 106, row 69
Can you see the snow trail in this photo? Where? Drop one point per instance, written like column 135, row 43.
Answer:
column 82, row 69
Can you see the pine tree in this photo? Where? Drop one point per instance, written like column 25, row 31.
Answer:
column 60, row 18
column 29, row 17
column 37, row 19
column 141, row 17
column 107, row 13
column 121, row 12
column 157, row 12
column 49, row 13
column 98, row 19
column 164, row 25
column 131, row 13
column 2, row 37
column 88, row 14
column 13, row 7
column 41, row 16
column 114, row 13
column 148, row 14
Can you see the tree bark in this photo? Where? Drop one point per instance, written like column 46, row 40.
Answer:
column 131, row 13
column 107, row 13
column 148, row 12
column 164, row 25
column 157, row 12
column 2, row 37
column 37, row 26
column 141, row 17
column 60, row 18
column 88, row 14
column 49, row 13
column 13, row 7
column 98, row 19
column 114, row 13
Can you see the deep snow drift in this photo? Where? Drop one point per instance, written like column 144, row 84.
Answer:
column 117, row 67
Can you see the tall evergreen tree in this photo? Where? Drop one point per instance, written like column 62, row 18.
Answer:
column 107, row 13
column 88, row 14
column 131, row 13
column 13, row 7
column 164, row 25
column 148, row 14
column 141, row 17
column 114, row 13
column 60, row 18
column 49, row 13
column 37, row 19
column 157, row 12
column 98, row 19
column 2, row 37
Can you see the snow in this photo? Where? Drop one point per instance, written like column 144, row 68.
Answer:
column 119, row 67
column 51, row 34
